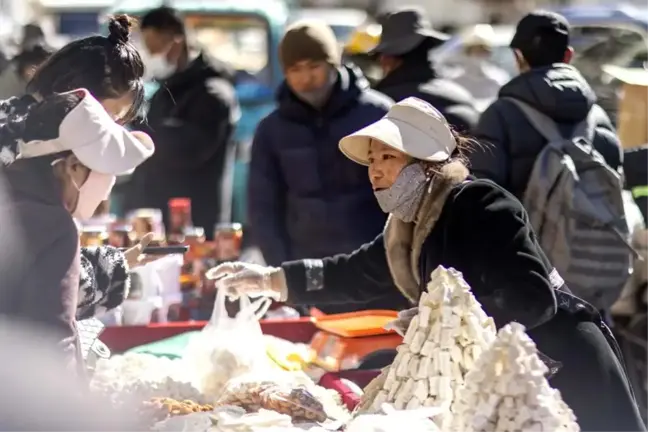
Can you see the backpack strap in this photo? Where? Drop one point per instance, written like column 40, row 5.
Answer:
column 540, row 122
column 547, row 127
column 586, row 128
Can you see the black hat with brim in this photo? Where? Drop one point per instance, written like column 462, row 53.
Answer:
column 404, row 30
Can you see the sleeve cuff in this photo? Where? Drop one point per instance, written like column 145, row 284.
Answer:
column 304, row 281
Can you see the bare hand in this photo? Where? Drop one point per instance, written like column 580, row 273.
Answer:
column 134, row 256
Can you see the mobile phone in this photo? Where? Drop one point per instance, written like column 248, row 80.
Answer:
column 164, row 250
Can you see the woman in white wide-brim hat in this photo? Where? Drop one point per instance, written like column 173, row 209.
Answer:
column 439, row 215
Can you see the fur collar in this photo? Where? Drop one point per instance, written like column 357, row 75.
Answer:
column 403, row 241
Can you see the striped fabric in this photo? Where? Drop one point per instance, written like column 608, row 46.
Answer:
column 575, row 205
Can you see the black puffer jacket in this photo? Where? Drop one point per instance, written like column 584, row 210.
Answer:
column 305, row 198
column 510, row 144
column 421, row 81
column 191, row 120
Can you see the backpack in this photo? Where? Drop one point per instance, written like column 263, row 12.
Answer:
column 575, row 205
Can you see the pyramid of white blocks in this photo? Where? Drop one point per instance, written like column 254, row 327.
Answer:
column 507, row 390
column 440, row 346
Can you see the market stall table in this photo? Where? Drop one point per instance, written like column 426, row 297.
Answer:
column 122, row 338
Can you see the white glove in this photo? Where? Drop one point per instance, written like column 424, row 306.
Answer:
column 401, row 324
column 253, row 280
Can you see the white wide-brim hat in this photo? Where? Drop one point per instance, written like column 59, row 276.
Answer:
column 96, row 140
column 412, row 126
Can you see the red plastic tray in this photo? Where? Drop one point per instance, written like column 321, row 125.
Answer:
column 356, row 324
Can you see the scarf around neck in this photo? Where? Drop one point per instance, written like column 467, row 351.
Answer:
column 404, row 241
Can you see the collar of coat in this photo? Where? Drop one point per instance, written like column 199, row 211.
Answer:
column 403, row 240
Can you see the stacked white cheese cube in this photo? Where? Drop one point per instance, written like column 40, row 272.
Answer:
column 440, row 346
column 507, row 391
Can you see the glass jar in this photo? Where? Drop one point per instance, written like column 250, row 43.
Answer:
column 93, row 236
column 227, row 241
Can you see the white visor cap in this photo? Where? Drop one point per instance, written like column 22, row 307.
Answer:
column 412, row 126
column 95, row 139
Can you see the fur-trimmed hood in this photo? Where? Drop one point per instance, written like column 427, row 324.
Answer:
column 403, row 240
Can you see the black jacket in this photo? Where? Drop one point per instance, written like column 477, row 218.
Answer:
column 305, row 198
column 421, row 81
column 40, row 266
column 510, row 145
column 191, row 119
column 483, row 232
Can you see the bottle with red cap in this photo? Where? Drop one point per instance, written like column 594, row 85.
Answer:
column 179, row 219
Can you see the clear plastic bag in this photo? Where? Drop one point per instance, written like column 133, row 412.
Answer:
column 228, row 347
column 298, row 403
column 283, row 397
column 390, row 420
column 195, row 422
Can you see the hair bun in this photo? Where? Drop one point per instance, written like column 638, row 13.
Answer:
column 119, row 27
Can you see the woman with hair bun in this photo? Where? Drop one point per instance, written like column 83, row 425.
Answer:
column 111, row 69
column 69, row 154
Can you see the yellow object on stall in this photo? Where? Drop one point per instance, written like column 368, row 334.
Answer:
column 363, row 40
column 285, row 354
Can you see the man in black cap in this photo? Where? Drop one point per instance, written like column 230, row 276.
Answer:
column 550, row 85
column 404, row 56
column 510, row 146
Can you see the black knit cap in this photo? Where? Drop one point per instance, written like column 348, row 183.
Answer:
column 309, row 40
column 541, row 34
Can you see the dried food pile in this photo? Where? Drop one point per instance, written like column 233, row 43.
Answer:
column 507, row 390
column 441, row 344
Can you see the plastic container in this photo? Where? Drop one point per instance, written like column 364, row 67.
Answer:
column 93, row 236
column 227, row 241
column 144, row 221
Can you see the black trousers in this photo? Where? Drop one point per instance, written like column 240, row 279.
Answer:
column 592, row 379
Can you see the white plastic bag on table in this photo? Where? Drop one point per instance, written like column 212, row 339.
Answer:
column 228, row 347
column 231, row 419
column 196, row 422
column 417, row 420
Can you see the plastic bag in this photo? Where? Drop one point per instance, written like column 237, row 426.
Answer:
column 391, row 420
column 279, row 395
column 228, row 347
column 225, row 419
column 298, row 403
column 195, row 422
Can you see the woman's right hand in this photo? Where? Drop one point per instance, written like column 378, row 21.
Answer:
column 239, row 278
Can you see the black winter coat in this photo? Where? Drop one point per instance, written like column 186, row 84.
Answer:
column 305, row 198
column 511, row 145
column 483, row 232
column 191, row 120
column 421, row 81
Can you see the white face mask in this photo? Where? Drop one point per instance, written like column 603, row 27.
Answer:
column 157, row 66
